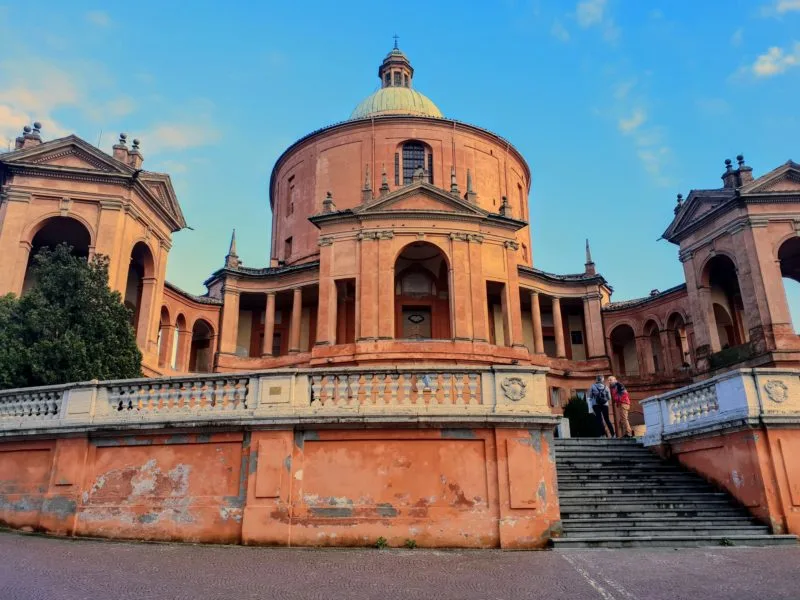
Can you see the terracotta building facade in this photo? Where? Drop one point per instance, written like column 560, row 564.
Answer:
column 401, row 236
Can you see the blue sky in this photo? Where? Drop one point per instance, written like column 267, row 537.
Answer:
column 616, row 104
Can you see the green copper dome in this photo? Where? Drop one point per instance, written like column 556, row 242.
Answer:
column 396, row 101
column 396, row 96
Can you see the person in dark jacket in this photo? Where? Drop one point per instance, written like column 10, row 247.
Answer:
column 599, row 397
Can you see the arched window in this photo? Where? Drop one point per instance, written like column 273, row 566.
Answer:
column 201, row 354
column 417, row 156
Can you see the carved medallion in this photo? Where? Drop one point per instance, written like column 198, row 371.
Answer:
column 514, row 388
column 776, row 390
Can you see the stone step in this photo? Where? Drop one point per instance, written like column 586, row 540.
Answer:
column 673, row 541
column 637, row 495
column 713, row 531
column 604, row 459
column 609, row 475
column 653, row 513
column 632, row 487
column 659, row 521
column 597, row 441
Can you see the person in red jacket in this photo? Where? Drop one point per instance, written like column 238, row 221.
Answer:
column 623, row 403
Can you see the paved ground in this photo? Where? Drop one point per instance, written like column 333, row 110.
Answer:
column 33, row 568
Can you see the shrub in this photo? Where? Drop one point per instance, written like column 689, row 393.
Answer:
column 582, row 423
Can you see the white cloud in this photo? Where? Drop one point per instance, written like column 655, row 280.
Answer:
column 776, row 61
column 621, row 90
column 590, row 12
column 179, row 136
column 559, row 32
column 632, row 123
column 737, row 37
column 780, row 7
column 593, row 13
column 99, row 18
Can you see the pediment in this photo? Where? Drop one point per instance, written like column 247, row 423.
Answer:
column 421, row 197
column 699, row 203
column 68, row 153
column 784, row 179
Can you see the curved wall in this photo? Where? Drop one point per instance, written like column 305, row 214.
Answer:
column 336, row 159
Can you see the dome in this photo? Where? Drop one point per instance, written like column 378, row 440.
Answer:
column 396, row 101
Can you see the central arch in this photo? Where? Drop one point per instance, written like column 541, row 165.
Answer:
column 422, row 293
column 623, row 350
column 52, row 232
column 789, row 257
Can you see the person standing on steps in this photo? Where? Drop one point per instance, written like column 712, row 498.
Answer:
column 622, row 401
column 599, row 396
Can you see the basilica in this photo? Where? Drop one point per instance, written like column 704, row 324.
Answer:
column 401, row 236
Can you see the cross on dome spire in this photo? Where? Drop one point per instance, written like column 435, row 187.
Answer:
column 396, row 37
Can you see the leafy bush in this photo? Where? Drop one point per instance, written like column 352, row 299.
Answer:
column 68, row 327
column 582, row 423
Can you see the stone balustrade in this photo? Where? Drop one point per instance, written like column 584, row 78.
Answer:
column 282, row 396
column 743, row 396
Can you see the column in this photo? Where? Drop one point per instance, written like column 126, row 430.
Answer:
column 593, row 325
column 708, row 319
column 512, row 291
column 184, row 349
column 666, row 351
column 230, row 320
column 644, row 352
column 327, row 303
column 15, row 256
column 167, row 336
column 269, row 325
column 294, row 324
column 558, row 328
column 367, row 289
column 480, row 323
column 145, row 309
column 460, row 302
column 536, row 316
column 385, row 286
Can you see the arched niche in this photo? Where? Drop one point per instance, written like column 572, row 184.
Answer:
column 138, row 295
column 654, row 345
column 422, row 293
column 679, row 341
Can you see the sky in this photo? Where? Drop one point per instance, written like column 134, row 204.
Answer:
column 617, row 105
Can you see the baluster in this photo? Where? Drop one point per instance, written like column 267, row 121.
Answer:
column 459, row 399
column 419, row 388
column 341, row 390
column 447, row 388
column 473, row 388
column 406, row 397
column 316, row 388
column 381, row 399
column 355, row 386
column 368, row 377
column 394, row 384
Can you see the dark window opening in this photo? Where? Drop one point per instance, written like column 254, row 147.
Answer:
column 397, row 78
column 287, row 248
column 576, row 337
column 430, row 167
column 387, row 79
column 397, row 168
column 413, row 158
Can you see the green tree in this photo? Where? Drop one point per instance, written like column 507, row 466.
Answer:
column 69, row 327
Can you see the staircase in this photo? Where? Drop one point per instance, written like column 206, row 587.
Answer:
column 615, row 493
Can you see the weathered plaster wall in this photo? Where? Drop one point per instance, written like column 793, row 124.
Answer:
column 440, row 487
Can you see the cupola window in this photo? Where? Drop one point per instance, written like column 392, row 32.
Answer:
column 413, row 159
column 397, row 78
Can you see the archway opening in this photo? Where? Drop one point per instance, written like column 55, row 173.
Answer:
column 140, row 269
column 202, row 351
column 789, row 257
column 726, row 300
column 55, row 231
column 422, row 293
column 654, row 344
column 676, row 326
column 623, row 350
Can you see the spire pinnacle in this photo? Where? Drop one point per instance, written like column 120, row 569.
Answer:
column 590, row 270
column 232, row 259
column 396, row 37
